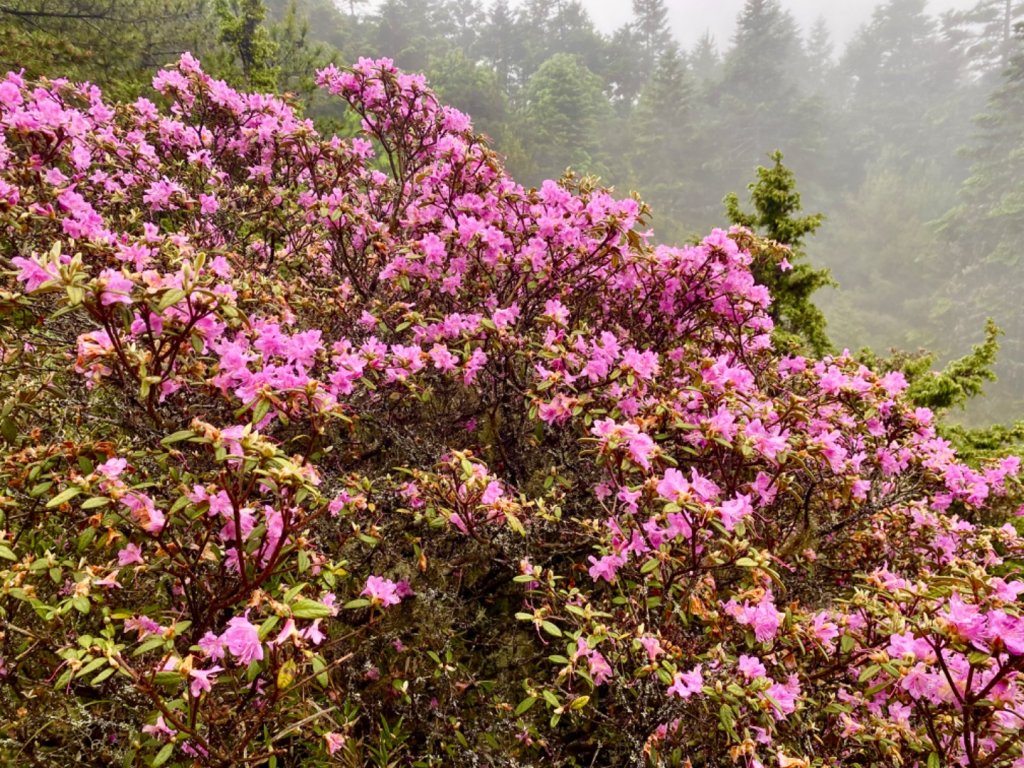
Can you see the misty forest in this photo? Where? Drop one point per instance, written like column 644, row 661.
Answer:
column 460, row 382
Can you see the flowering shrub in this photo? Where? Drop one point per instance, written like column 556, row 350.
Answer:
column 353, row 450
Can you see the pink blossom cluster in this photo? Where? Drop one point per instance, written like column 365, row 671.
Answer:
column 335, row 358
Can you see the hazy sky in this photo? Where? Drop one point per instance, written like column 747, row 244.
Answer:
column 690, row 18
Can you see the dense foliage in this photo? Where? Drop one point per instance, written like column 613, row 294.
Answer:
column 354, row 450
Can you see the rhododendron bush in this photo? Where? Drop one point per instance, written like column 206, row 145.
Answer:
column 352, row 450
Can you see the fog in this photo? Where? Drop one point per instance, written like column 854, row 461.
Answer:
column 692, row 18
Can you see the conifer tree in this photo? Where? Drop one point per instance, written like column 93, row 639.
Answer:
column 652, row 33
column 565, row 109
column 792, row 283
column 248, row 41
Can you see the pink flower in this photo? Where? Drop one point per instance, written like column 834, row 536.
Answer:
column 208, row 204
column 673, row 486
column 966, row 619
column 443, row 359
column 202, row 680
column 381, row 591
column 652, row 646
column 783, row 698
column 505, row 317
column 733, row 511
column 159, row 729
column 144, row 512
column 763, row 617
column 606, row 568
column 641, row 446
column 686, row 684
column 212, row 645
column 32, row 274
column 824, row 629
column 243, row 640
column 10, row 94
column 159, row 194
column 643, row 364
column 1008, row 629
column 334, row 742
column 600, row 670
column 130, row 555
column 112, row 468
column 115, row 288
column 751, row 667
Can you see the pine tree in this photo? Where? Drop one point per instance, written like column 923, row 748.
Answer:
column 652, row 33
column 408, row 31
column 987, row 226
column 776, row 205
column 705, row 62
column 565, row 108
column 663, row 163
column 906, row 83
column 987, row 35
column 501, row 45
column 759, row 105
column 248, row 41
column 818, row 53
column 114, row 45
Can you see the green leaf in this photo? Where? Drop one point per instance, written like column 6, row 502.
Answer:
column 103, row 675
column 92, row 666
column 868, row 673
column 262, row 409
column 525, row 705
column 551, row 629
column 7, row 553
column 163, row 755
column 172, row 296
column 177, row 437
column 96, row 501
column 650, row 565
column 310, row 609
column 66, row 495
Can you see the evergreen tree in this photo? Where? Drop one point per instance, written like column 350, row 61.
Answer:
column 905, row 82
column 565, row 108
column 757, row 105
column 652, row 33
column 114, row 45
column 663, row 163
column 501, row 45
column 627, row 73
column 884, row 251
column 705, row 62
column 297, row 55
column 472, row 88
column 792, row 282
column 818, row 53
column 408, row 31
column 460, row 21
column 248, row 41
column 986, row 228
column 987, row 33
